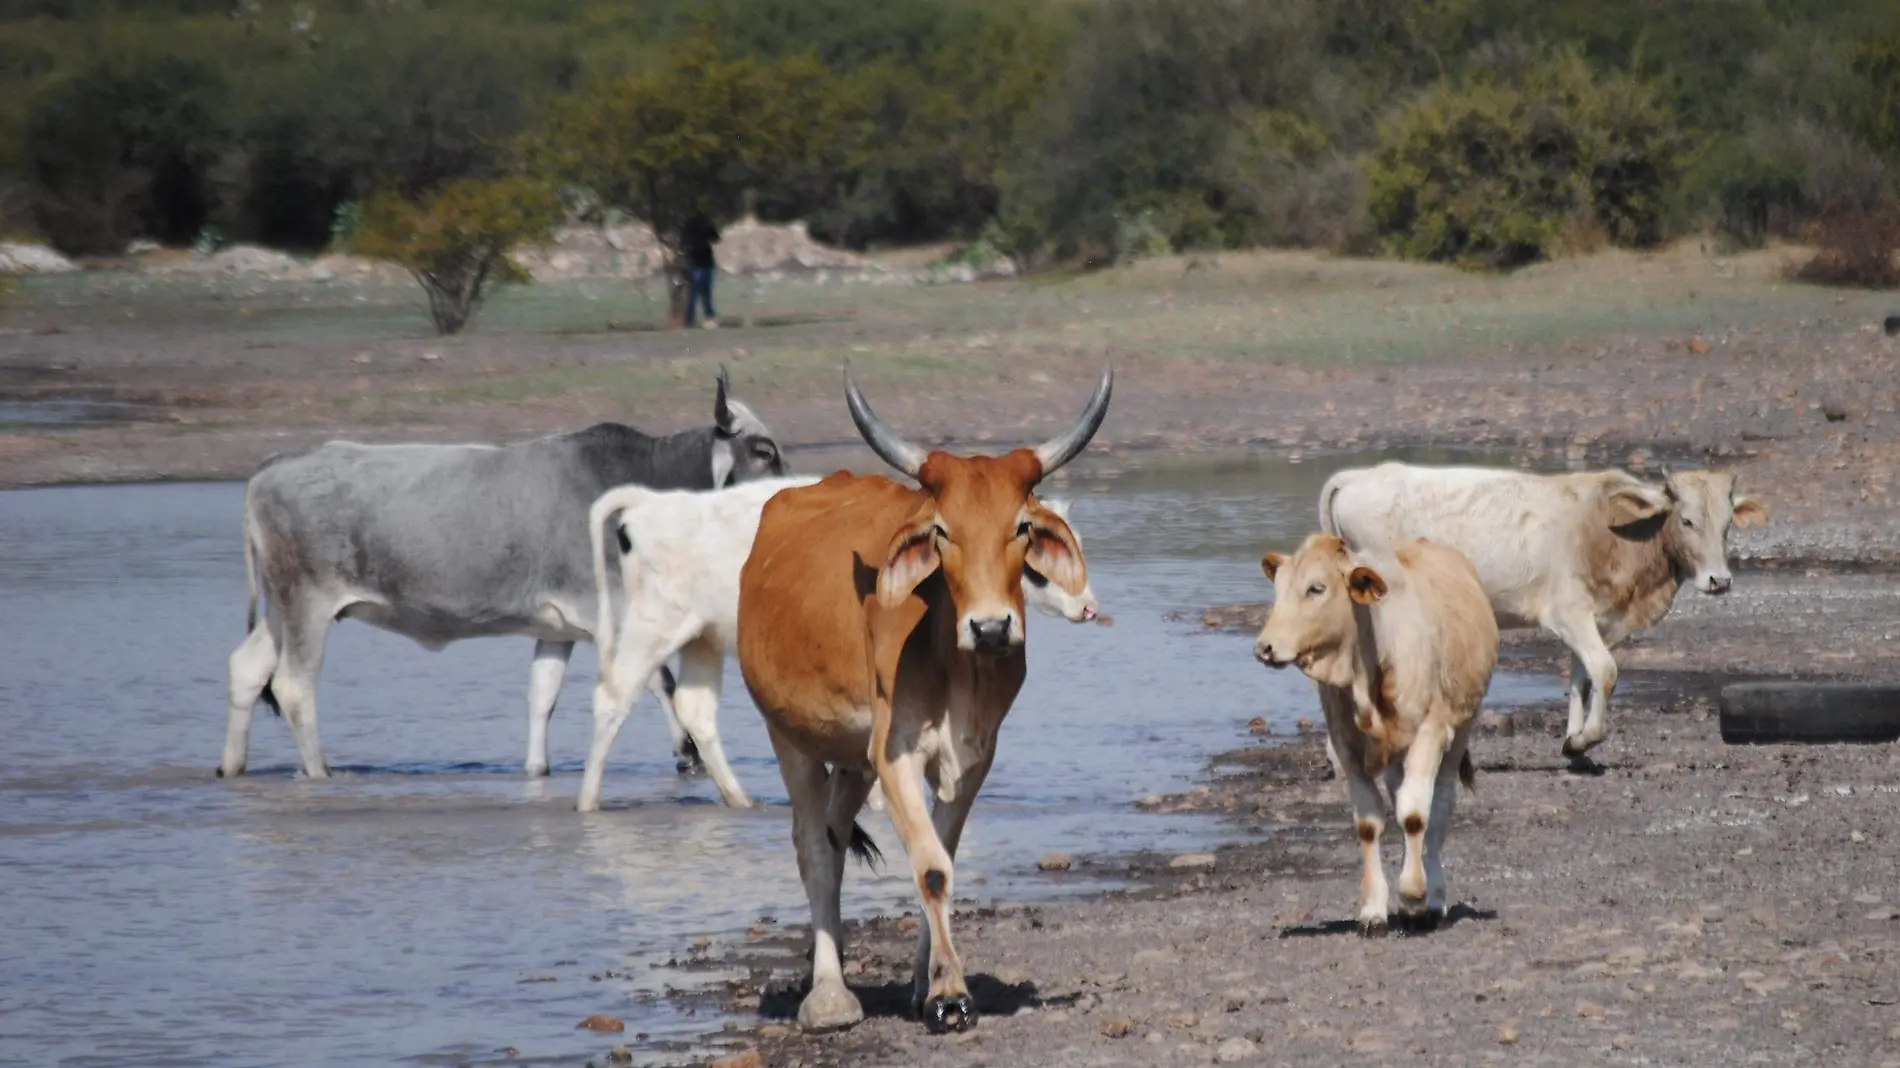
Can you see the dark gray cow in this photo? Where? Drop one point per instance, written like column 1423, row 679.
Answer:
column 443, row 542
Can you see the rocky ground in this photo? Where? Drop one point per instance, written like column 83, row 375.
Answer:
column 1694, row 904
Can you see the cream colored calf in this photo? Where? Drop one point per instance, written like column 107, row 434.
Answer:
column 1402, row 647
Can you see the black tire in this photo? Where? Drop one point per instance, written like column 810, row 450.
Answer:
column 1768, row 713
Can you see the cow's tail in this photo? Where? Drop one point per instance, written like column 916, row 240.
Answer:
column 250, row 569
column 861, row 846
column 1467, row 772
column 603, row 521
column 1328, row 522
column 267, row 694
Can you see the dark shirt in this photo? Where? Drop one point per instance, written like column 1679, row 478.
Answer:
column 697, row 239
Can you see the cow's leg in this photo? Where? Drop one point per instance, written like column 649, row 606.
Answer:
column 1368, row 816
column 948, row 819
column 697, row 703
column 299, row 664
column 636, row 656
column 251, row 666
column 544, row 688
column 830, row 1005
column 946, row 1003
column 662, row 685
column 1578, row 630
column 1413, row 803
column 1438, row 825
column 1579, row 692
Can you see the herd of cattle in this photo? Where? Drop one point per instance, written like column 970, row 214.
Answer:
column 879, row 624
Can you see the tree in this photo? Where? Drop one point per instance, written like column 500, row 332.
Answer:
column 687, row 137
column 456, row 240
column 122, row 147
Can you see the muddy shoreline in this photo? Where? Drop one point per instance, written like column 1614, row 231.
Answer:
column 1692, row 903
column 1689, row 902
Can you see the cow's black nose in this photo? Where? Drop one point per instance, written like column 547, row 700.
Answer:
column 1720, row 584
column 990, row 635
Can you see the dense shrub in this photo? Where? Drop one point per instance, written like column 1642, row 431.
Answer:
column 124, row 146
column 1141, row 131
column 1854, row 249
column 455, row 241
column 401, row 100
column 1493, row 174
column 1100, row 129
column 1750, row 191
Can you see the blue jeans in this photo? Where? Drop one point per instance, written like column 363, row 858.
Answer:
column 700, row 294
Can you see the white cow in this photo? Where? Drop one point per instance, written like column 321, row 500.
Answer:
column 1592, row 558
column 671, row 585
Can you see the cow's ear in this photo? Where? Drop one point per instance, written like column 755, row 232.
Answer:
column 1750, row 512
column 911, row 559
column 1365, row 585
column 1635, row 505
column 1053, row 550
column 1271, row 564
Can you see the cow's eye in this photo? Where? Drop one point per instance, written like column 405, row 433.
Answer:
column 1022, row 529
column 764, row 450
column 1688, row 523
column 1317, row 589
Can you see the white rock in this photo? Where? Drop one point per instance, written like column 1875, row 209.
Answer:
column 33, row 259
column 1234, row 1050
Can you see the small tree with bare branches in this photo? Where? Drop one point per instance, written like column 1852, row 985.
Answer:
column 456, row 240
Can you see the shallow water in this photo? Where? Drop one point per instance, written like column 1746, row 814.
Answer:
column 54, row 414
column 414, row 908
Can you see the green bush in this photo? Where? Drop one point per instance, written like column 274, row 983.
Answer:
column 1493, row 174
column 455, row 241
column 1282, row 183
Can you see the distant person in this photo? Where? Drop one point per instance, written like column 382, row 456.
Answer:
column 697, row 239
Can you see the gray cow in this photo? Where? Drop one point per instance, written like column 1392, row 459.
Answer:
column 443, row 542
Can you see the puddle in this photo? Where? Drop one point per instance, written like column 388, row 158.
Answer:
column 57, row 414
column 430, row 904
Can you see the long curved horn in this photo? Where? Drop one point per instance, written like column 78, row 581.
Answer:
column 722, row 412
column 894, row 450
column 1060, row 450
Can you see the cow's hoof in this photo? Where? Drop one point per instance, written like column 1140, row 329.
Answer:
column 1423, row 921
column 1372, row 928
column 686, row 759
column 1580, row 764
column 1575, row 745
column 949, row 1012
column 829, row 1008
column 218, row 772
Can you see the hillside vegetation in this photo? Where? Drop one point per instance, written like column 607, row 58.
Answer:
column 1483, row 132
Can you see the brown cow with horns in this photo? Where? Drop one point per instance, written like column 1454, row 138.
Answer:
column 881, row 633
